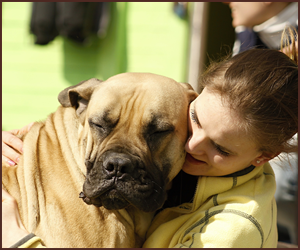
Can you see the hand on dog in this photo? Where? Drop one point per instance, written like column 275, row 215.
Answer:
column 12, row 226
column 12, row 145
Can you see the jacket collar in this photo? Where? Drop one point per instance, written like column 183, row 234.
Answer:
column 210, row 186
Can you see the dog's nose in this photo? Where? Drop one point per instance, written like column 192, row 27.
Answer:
column 118, row 165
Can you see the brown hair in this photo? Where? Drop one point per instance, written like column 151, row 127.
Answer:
column 261, row 85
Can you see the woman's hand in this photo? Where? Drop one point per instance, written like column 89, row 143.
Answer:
column 12, row 145
column 12, row 226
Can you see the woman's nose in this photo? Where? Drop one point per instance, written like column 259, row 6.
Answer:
column 195, row 143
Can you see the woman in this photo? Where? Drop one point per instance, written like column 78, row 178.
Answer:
column 245, row 115
column 260, row 24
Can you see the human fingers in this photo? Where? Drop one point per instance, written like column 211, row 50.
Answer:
column 7, row 162
column 12, row 148
column 9, row 138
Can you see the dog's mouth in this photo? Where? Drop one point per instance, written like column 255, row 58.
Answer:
column 118, row 194
column 111, row 200
column 115, row 184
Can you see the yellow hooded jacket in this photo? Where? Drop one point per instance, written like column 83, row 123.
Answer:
column 237, row 211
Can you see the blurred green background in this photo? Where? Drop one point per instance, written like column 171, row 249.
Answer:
column 141, row 37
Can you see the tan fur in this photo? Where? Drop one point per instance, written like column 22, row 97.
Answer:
column 47, row 181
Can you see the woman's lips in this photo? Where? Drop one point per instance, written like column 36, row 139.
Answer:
column 192, row 160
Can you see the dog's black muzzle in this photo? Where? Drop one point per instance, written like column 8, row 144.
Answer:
column 117, row 180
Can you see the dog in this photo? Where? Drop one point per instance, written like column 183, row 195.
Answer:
column 95, row 171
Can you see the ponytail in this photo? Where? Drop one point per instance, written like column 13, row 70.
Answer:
column 289, row 43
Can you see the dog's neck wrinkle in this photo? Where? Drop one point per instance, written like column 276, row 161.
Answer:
column 141, row 220
column 64, row 118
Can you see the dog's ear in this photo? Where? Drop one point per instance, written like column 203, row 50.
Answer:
column 191, row 93
column 78, row 96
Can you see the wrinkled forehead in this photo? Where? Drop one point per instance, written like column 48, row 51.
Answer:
column 152, row 83
column 148, row 92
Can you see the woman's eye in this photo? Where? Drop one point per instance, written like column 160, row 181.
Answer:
column 220, row 150
column 194, row 117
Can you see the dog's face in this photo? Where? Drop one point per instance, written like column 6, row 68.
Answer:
column 133, row 130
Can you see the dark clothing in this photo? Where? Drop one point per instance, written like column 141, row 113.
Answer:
column 74, row 20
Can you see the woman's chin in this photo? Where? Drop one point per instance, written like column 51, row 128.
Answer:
column 192, row 169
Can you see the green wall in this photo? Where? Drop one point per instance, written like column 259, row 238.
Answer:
column 142, row 37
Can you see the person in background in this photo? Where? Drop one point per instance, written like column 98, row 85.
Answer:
column 260, row 25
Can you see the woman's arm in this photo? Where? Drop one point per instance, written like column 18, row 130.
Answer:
column 14, row 233
column 12, row 226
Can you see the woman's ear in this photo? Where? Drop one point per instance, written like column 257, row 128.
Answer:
column 263, row 158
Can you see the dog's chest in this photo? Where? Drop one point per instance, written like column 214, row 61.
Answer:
column 84, row 226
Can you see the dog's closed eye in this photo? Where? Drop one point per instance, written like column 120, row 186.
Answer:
column 97, row 126
column 162, row 132
column 157, row 134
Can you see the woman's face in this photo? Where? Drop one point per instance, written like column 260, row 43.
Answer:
column 249, row 14
column 217, row 145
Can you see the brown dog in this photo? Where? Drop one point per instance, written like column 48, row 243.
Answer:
column 117, row 144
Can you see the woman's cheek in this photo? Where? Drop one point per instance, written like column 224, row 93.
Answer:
column 217, row 159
